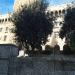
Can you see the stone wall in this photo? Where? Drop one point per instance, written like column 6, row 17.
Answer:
column 10, row 64
column 43, row 66
column 6, row 53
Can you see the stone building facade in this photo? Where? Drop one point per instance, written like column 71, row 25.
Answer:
column 6, row 29
column 58, row 12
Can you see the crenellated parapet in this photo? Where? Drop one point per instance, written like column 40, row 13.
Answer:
column 5, row 18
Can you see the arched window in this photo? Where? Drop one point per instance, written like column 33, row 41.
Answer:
column 9, row 19
column 48, row 13
column 2, row 20
column 56, row 13
column 52, row 13
column 63, row 11
column 5, row 19
column 59, row 12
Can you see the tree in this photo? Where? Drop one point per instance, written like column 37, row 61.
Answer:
column 66, row 49
column 33, row 25
column 69, row 23
column 48, row 50
column 56, row 49
column 68, row 28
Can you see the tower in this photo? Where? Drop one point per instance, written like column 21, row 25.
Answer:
column 19, row 3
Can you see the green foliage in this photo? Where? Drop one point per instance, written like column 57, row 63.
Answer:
column 33, row 25
column 48, row 47
column 56, row 49
column 69, row 23
column 67, row 50
column 48, row 50
column 72, row 41
column 68, row 28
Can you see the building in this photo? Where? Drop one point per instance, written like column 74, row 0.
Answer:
column 58, row 12
column 6, row 29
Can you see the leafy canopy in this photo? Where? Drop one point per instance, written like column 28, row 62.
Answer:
column 33, row 25
column 69, row 23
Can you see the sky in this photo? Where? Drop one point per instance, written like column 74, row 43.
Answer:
column 56, row 2
column 7, row 5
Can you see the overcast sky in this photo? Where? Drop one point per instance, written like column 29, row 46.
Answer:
column 7, row 5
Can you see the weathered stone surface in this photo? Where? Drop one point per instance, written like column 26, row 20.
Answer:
column 37, row 66
column 42, row 66
column 10, row 64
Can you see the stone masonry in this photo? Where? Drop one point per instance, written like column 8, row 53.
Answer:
column 52, row 64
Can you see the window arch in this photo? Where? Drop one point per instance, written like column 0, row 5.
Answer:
column 9, row 19
column 52, row 13
column 0, row 21
column 5, row 19
column 56, row 13
column 63, row 11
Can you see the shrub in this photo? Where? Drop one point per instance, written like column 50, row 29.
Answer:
column 56, row 49
column 67, row 49
column 48, row 50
